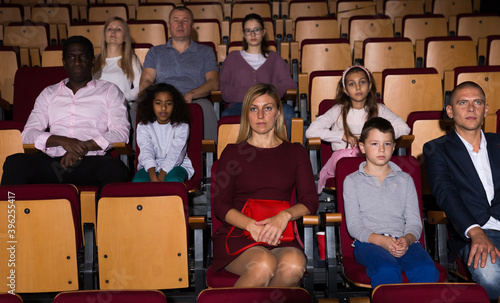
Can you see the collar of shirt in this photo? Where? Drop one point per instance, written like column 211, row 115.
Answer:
column 394, row 169
column 482, row 144
column 192, row 46
column 90, row 84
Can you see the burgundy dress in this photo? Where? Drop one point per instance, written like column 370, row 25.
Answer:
column 245, row 172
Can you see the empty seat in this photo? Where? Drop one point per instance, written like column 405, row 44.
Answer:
column 315, row 28
column 243, row 8
column 148, row 31
column 52, row 56
column 451, row 7
column 92, row 31
column 206, row 30
column 47, row 234
column 154, row 11
column 493, row 52
column 251, row 295
column 11, row 13
column 297, row 9
column 121, row 296
column 410, row 90
column 27, row 35
column 206, row 10
column 322, row 85
column 424, row 26
column 428, row 292
column 348, row 8
column 58, row 17
column 401, row 8
column 446, row 53
column 383, row 53
column 9, row 63
column 101, row 13
column 478, row 25
column 363, row 27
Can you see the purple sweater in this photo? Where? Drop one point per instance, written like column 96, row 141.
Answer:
column 237, row 76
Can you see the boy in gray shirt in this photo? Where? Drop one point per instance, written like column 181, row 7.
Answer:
column 382, row 213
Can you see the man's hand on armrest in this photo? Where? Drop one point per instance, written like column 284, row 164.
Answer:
column 481, row 247
column 72, row 145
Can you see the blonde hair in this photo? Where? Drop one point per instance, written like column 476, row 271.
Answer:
column 253, row 93
column 127, row 55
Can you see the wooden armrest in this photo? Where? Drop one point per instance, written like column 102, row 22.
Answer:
column 208, row 146
column 198, row 222
column 405, row 141
column 303, row 83
column 310, row 220
column 291, row 94
column 419, row 48
column 313, row 144
column 436, row 217
column 29, row 148
column 123, row 148
column 328, row 219
column 297, row 131
column 216, row 96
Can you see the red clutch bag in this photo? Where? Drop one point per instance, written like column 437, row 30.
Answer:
column 260, row 210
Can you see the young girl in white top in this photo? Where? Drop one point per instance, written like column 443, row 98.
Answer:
column 162, row 136
column 356, row 103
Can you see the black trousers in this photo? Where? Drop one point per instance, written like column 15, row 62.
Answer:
column 39, row 168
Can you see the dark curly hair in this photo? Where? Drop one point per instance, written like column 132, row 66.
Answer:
column 145, row 111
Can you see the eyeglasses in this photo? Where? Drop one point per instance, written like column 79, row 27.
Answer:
column 257, row 31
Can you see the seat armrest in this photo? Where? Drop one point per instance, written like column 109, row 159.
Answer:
column 405, row 141
column 437, row 217
column 330, row 219
column 291, row 94
column 216, row 96
column 90, row 257
column 313, row 143
column 208, row 146
column 123, row 148
column 310, row 220
column 198, row 222
column 29, row 148
column 297, row 131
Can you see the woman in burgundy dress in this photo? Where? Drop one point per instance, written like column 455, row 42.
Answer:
column 262, row 165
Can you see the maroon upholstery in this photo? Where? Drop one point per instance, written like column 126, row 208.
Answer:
column 498, row 121
column 123, row 296
column 430, row 292
column 148, row 189
column 28, row 84
column 251, row 295
column 346, row 166
column 49, row 191
column 11, row 124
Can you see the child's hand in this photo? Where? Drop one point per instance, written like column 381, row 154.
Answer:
column 402, row 245
column 386, row 242
column 353, row 141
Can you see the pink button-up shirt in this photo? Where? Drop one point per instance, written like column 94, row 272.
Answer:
column 97, row 111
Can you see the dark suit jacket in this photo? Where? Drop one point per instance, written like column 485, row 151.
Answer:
column 456, row 184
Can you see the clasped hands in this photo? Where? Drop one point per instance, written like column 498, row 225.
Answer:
column 75, row 150
column 396, row 247
column 269, row 230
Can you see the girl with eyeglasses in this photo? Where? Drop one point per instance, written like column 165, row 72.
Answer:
column 254, row 64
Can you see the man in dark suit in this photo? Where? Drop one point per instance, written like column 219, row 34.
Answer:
column 463, row 169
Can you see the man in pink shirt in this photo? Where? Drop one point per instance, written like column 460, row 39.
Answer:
column 73, row 124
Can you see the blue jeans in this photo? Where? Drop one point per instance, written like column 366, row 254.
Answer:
column 489, row 276
column 384, row 268
column 177, row 174
column 288, row 112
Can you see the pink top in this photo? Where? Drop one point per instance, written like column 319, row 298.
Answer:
column 97, row 111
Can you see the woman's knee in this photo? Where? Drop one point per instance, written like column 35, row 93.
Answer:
column 292, row 261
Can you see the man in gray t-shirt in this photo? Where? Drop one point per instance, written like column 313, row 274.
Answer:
column 187, row 65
